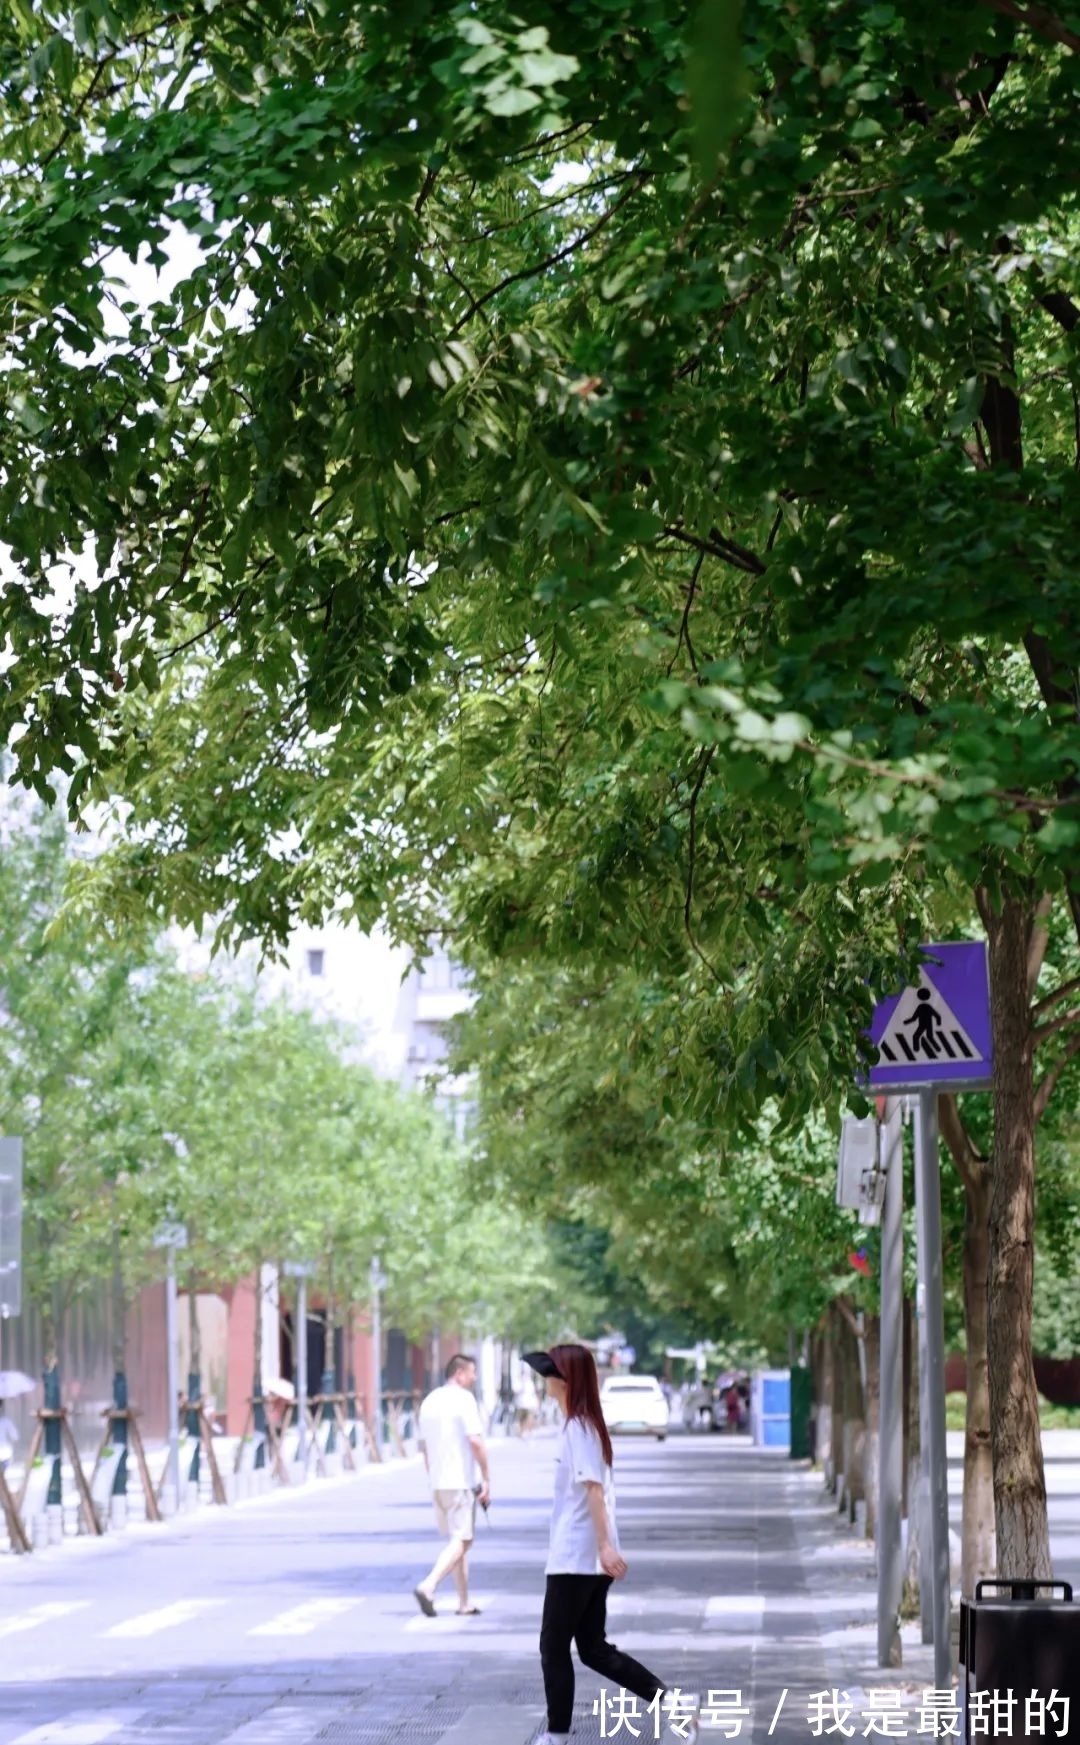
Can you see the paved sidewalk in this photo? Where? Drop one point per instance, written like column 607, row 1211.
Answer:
column 296, row 1623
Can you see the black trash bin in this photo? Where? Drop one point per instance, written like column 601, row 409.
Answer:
column 1023, row 1646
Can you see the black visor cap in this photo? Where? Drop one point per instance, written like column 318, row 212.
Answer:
column 543, row 1364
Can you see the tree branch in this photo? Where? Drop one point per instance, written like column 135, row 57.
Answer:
column 1055, row 994
column 1061, row 306
column 1038, row 940
column 1045, row 1089
column 551, row 260
column 1042, row 1031
column 684, row 627
column 717, row 546
column 428, row 185
column 1038, row 19
column 969, row 1161
column 691, row 859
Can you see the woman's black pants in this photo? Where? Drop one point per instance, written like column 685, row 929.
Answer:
column 575, row 1610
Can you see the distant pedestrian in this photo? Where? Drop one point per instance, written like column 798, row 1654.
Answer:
column 451, row 1439
column 526, row 1403
column 9, row 1435
column 583, row 1554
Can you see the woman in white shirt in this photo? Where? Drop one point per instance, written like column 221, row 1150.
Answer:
column 583, row 1555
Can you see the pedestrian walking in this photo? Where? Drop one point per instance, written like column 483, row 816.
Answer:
column 526, row 1404
column 583, row 1553
column 451, row 1439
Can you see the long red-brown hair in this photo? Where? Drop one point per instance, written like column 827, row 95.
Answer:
column 578, row 1369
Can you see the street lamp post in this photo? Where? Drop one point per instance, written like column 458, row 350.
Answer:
column 377, row 1279
column 172, row 1237
column 301, row 1271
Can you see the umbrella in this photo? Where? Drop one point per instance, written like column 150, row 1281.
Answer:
column 280, row 1390
column 13, row 1382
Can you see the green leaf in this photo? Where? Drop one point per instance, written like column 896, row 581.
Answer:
column 511, row 100
column 715, row 79
column 547, row 67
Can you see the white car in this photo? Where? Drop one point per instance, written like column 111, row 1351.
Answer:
column 635, row 1404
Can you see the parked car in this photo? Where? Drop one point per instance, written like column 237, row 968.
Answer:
column 634, row 1405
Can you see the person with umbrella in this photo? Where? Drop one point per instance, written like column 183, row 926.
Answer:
column 12, row 1382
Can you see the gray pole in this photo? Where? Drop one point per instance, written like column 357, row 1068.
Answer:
column 377, row 1281
column 891, row 1431
column 301, row 1365
column 172, row 1373
column 928, row 1196
column 920, row 1521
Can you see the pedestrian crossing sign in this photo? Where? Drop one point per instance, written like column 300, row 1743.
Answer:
column 937, row 1032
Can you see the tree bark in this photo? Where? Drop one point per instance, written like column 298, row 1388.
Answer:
column 854, row 1423
column 838, row 1332
column 978, row 1554
column 822, row 1349
column 1023, row 1538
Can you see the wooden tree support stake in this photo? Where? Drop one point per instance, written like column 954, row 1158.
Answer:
column 12, row 1518
column 45, row 1415
column 206, row 1443
column 130, row 1416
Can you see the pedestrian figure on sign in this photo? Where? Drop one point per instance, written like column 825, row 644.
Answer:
column 584, row 1556
column 451, row 1439
column 926, row 1022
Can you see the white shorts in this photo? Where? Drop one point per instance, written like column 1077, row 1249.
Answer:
column 455, row 1512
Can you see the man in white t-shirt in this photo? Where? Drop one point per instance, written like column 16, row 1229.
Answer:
column 452, row 1443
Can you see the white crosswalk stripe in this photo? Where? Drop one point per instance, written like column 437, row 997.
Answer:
column 165, row 1618
column 735, row 1612
column 43, row 1614
column 77, row 1728
column 304, row 1620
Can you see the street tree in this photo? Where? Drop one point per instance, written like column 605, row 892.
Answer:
column 491, row 364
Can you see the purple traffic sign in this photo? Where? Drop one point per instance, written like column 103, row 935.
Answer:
column 937, row 1032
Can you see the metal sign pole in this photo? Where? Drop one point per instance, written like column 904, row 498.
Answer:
column 170, row 1237
column 301, row 1364
column 172, row 1374
column 891, row 1430
column 928, row 1198
column 377, row 1279
column 301, row 1271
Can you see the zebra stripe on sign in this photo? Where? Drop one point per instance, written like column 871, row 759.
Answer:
column 924, row 1028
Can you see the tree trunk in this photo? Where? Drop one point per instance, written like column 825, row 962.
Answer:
column 838, row 1333
column 1023, row 1537
column 194, row 1382
column 257, row 1374
column 854, row 1423
column 51, row 1397
column 822, row 1348
column 872, row 1351
column 118, row 1428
